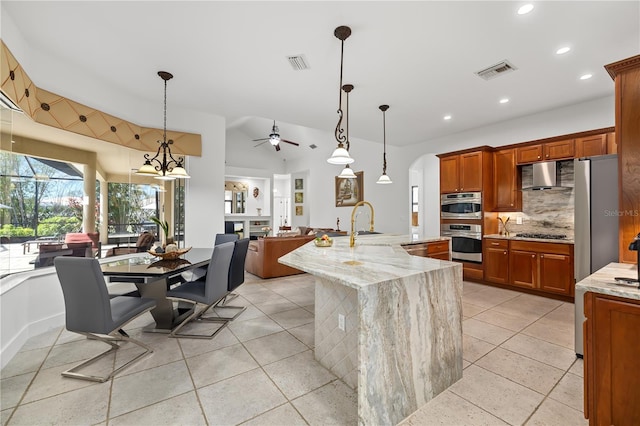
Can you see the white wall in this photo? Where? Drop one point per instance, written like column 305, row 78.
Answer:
column 242, row 152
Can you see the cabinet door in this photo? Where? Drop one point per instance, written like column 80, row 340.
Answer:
column 612, row 368
column 559, row 150
column 449, row 174
column 496, row 264
column 612, row 145
column 506, row 182
column 471, row 172
column 438, row 250
column 524, row 268
column 591, row 146
column 556, row 273
column 529, row 154
column 417, row 250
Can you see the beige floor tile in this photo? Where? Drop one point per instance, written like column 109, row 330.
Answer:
column 552, row 331
column 570, row 391
column 12, row 389
column 264, row 296
column 211, row 367
column 470, row 287
column 276, row 305
column 4, row 415
column 501, row 397
column 279, row 416
column 239, row 398
column 465, row 364
column 298, row 374
column 302, row 298
column 528, row 306
column 42, row 340
column 293, row 318
column 274, row 347
column 252, row 329
column 24, row 362
column 193, row 347
column 489, row 297
column 449, row 409
column 470, row 310
column 304, row 333
column 49, row 381
column 548, row 353
column 553, row 413
column 250, row 313
column 501, row 319
column 180, row 410
column 485, row 331
column 578, row 367
column 74, row 351
column 148, row 387
column 332, row 404
column 165, row 351
column 473, row 348
column 77, row 407
column 533, row 374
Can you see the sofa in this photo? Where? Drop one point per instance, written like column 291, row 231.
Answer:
column 263, row 255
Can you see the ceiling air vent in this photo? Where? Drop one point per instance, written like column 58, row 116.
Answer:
column 298, row 62
column 313, row 146
column 494, row 71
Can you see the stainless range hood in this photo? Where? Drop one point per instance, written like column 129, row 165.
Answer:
column 546, row 175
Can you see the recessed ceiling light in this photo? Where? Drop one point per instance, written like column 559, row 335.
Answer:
column 586, row 77
column 447, row 117
column 504, row 100
column 525, row 9
column 563, row 50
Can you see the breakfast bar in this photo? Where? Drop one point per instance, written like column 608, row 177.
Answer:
column 387, row 323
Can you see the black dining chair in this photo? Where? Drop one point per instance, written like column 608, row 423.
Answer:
column 199, row 273
column 91, row 312
column 236, row 278
column 207, row 291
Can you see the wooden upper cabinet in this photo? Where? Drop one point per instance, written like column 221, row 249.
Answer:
column 450, row 174
column 549, row 151
column 461, row 172
column 612, row 145
column 506, row 181
column 591, row 146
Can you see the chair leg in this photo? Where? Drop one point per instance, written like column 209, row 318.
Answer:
column 222, row 305
column 195, row 315
column 110, row 340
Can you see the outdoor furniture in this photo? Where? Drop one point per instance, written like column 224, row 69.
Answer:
column 144, row 243
column 76, row 240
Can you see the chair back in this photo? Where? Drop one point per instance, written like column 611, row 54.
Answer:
column 236, row 270
column 86, row 300
column 217, row 278
column 225, row 238
column 145, row 241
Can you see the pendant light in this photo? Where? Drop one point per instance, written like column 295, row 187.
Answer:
column 169, row 168
column 341, row 155
column 347, row 172
column 384, row 179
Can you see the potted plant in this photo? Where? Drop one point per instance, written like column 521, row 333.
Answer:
column 165, row 228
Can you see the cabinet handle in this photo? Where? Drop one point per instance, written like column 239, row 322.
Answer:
column 533, row 255
column 538, row 157
column 511, row 204
column 495, row 244
column 505, row 252
column 542, row 255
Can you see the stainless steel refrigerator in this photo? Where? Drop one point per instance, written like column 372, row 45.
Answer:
column 596, row 223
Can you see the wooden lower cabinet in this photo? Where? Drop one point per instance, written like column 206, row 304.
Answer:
column 612, row 376
column 523, row 266
column 496, row 260
column 435, row 249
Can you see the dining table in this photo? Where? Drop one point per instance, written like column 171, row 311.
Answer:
column 152, row 277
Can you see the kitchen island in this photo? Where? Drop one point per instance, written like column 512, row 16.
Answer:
column 387, row 323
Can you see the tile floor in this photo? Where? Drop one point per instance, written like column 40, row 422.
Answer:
column 520, row 368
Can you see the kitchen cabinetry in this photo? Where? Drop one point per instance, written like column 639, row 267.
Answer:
column 435, row 249
column 461, row 172
column 612, row 377
column 506, row 182
column 543, row 266
column 559, row 150
column 591, row 146
column 496, row 260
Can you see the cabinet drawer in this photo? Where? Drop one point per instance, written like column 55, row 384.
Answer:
column 556, row 248
column 496, row 243
column 438, row 247
column 416, row 249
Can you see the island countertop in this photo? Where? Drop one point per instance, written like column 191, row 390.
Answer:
column 374, row 259
column 602, row 281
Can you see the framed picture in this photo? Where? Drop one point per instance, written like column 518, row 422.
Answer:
column 299, row 211
column 299, row 197
column 349, row 191
column 299, row 184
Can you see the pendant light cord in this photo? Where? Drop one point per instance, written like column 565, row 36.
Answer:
column 339, row 132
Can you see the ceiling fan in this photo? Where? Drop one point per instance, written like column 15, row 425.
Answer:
column 274, row 138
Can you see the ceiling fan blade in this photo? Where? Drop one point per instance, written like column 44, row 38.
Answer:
column 292, row 143
column 277, row 147
column 260, row 143
column 261, row 139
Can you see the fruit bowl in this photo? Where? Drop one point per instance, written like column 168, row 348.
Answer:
column 323, row 241
column 171, row 255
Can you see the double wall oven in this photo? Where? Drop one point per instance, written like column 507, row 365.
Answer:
column 466, row 236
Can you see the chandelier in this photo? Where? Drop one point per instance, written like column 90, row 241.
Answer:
column 347, row 173
column 166, row 167
column 384, row 179
column 341, row 155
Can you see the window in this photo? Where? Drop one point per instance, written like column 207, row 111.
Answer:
column 414, row 206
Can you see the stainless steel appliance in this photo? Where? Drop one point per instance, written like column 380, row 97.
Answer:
column 596, row 224
column 466, row 241
column 465, row 205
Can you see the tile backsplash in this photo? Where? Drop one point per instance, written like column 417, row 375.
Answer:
column 548, row 211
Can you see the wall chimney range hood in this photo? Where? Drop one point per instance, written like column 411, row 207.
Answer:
column 546, row 175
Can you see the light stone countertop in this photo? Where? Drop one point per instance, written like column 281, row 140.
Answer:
column 540, row 240
column 374, row 259
column 602, row 281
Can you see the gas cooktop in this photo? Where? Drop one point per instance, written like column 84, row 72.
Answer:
column 542, row 236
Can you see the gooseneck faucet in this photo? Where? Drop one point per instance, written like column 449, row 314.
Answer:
column 352, row 238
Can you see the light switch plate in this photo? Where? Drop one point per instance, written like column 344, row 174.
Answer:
column 518, row 220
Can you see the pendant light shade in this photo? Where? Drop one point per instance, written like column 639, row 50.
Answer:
column 341, row 153
column 347, row 173
column 384, row 179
